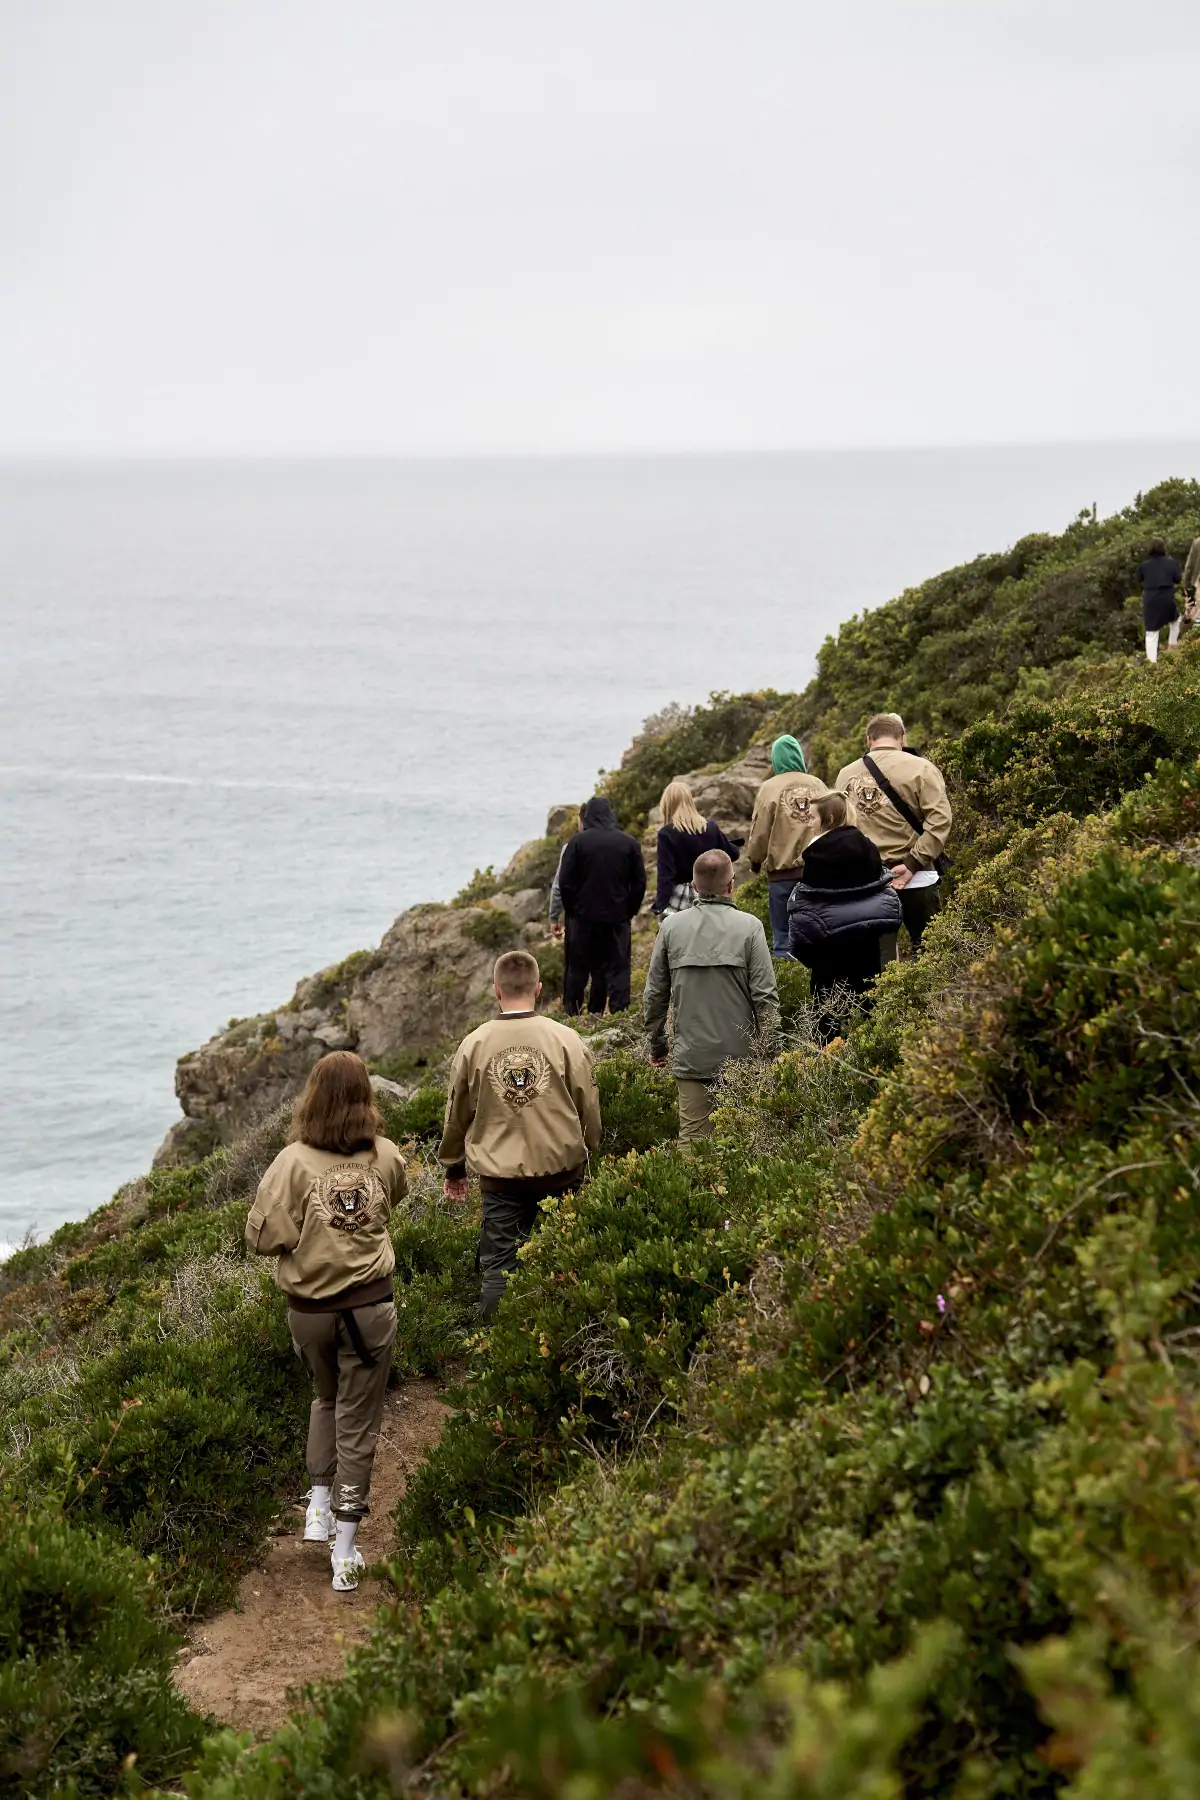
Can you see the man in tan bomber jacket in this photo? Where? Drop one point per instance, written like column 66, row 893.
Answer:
column 522, row 1113
column 912, row 853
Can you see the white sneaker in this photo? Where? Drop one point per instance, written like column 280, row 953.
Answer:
column 346, row 1571
column 318, row 1522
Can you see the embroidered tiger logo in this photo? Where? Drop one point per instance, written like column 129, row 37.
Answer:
column 519, row 1075
column 866, row 794
column 347, row 1195
column 798, row 805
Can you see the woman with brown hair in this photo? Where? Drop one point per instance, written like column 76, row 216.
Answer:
column 322, row 1208
column 685, row 834
column 843, row 913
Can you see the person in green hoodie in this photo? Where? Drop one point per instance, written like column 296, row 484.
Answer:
column 783, row 823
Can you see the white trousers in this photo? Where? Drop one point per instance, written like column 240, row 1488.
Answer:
column 1152, row 641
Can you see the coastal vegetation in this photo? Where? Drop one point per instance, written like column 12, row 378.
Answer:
column 856, row 1455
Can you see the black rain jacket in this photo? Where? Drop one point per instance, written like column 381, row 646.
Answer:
column 602, row 877
column 845, row 900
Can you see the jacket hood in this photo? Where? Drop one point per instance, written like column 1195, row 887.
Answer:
column 842, row 858
column 786, row 755
column 598, row 814
column 836, row 895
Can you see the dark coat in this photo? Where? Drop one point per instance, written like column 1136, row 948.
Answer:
column 1159, row 576
column 677, row 853
column 841, row 909
column 602, row 876
column 842, row 858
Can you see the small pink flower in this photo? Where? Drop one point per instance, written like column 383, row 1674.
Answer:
column 941, row 1303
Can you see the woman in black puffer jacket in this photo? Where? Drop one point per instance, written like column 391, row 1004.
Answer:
column 844, row 915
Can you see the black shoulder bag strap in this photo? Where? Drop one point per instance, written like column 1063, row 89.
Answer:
column 912, row 819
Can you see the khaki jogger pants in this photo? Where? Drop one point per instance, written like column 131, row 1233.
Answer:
column 343, row 1424
column 695, row 1109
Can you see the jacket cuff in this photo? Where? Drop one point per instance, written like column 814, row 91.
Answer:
column 455, row 1171
column 914, row 863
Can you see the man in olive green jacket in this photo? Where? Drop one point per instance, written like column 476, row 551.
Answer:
column 712, row 968
column 523, row 1112
column 911, row 846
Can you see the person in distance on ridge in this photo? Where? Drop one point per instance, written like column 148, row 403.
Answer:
column 1159, row 575
column 899, row 801
column 322, row 1210
column 782, row 824
column 683, row 836
column 522, row 1113
column 602, row 883
column 712, row 968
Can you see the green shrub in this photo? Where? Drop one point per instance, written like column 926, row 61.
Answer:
column 610, row 1298
column 420, row 1116
column 712, row 734
column 437, row 1284
column 754, row 897
column 638, row 1104
column 86, row 1702
column 482, row 885
column 493, row 927
column 551, row 966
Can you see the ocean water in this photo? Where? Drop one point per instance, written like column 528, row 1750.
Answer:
column 252, row 710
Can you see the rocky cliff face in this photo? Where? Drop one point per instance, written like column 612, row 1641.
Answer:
column 428, row 982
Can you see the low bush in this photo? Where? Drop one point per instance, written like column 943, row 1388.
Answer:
column 86, row 1702
column 700, row 736
column 600, row 1320
column 492, row 926
column 638, row 1104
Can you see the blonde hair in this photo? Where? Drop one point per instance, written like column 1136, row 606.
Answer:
column 679, row 809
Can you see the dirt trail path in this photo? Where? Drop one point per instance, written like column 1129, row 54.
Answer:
column 288, row 1626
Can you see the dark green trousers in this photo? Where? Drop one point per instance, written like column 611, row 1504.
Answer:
column 510, row 1213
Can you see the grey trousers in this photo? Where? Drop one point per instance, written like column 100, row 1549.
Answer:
column 343, row 1423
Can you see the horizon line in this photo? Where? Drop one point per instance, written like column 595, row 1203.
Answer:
column 65, row 456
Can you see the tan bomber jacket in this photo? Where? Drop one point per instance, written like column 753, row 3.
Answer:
column 325, row 1216
column 920, row 783
column 522, row 1100
column 783, row 821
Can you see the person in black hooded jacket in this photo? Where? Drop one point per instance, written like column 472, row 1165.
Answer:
column 844, row 914
column 602, row 881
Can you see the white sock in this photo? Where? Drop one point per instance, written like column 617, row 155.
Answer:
column 343, row 1538
column 1152, row 646
column 320, row 1496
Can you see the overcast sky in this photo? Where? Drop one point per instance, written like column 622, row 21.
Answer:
column 569, row 225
